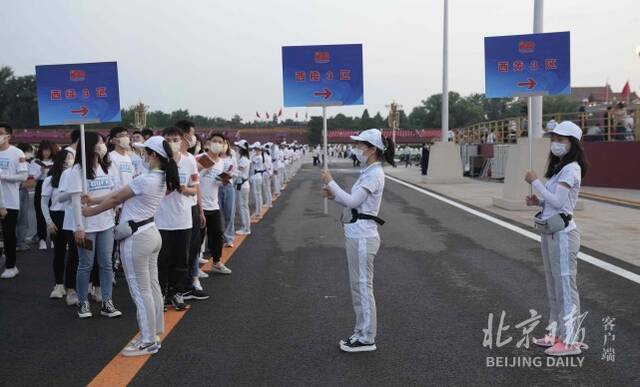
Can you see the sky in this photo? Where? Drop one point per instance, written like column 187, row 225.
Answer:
column 220, row 58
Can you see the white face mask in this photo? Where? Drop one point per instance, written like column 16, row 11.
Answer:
column 101, row 150
column 175, row 147
column 216, row 147
column 68, row 161
column 362, row 158
column 4, row 139
column 558, row 149
column 124, row 142
column 192, row 141
column 28, row 155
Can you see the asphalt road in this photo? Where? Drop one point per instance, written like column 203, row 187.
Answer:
column 278, row 318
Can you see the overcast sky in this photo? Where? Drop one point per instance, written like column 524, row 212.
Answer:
column 223, row 57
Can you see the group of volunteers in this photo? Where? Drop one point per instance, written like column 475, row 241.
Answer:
column 149, row 205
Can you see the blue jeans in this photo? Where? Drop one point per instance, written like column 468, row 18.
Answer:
column 102, row 250
column 227, row 199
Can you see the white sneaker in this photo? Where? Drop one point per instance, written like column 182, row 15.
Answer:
column 241, row 232
column 202, row 261
column 220, row 268
column 197, row 285
column 228, row 245
column 202, row 274
column 42, row 244
column 57, row 292
column 96, row 293
column 10, row 273
column 141, row 349
column 72, row 297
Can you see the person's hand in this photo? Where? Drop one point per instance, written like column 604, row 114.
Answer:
column 87, row 211
column 532, row 200
column 52, row 229
column 326, row 193
column 79, row 236
column 326, row 177
column 203, row 220
column 530, row 177
column 85, row 199
column 3, row 213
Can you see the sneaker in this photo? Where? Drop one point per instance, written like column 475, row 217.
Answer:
column 547, row 341
column 72, row 297
column 84, row 311
column 109, row 310
column 242, row 232
column 220, row 268
column 24, row 247
column 358, row 346
column 348, row 339
column 195, row 294
column 57, row 292
column 228, row 244
column 196, row 284
column 10, row 273
column 562, row 349
column 42, row 245
column 140, row 349
column 202, row 261
column 96, row 293
column 177, row 301
column 202, row 274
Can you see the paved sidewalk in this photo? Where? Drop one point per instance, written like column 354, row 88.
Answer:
column 611, row 229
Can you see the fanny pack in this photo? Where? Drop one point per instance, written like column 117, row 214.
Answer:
column 126, row 229
column 239, row 185
column 557, row 222
column 351, row 215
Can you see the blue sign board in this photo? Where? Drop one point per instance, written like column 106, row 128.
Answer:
column 322, row 75
column 78, row 93
column 524, row 65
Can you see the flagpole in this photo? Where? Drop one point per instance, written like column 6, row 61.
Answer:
column 445, row 74
column 325, row 161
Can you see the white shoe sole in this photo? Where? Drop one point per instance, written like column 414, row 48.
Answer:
column 368, row 348
column 203, row 275
column 111, row 315
column 140, row 352
column 85, row 315
column 218, row 271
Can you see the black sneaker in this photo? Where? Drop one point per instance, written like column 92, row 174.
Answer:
column 195, row 294
column 357, row 346
column 348, row 339
column 84, row 310
column 109, row 310
column 177, row 301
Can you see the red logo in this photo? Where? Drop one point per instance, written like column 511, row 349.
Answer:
column 77, row 75
column 526, row 46
column 321, row 57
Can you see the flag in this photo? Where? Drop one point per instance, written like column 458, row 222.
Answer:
column 258, row 115
column 267, row 113
column 626, row 92
column 296, row 114
column 606, row 92
column 306, row 116
column 280, row 112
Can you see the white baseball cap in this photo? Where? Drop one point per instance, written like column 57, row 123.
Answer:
column 155, row 144
column 242, row 144
column 372, row 136
column 567, row 129
column 255, row 145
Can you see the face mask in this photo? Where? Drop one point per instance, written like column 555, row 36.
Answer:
column 3, row 139
column 360, row 156
column 68, row 162
column 558, row 149
column 124, row 142
column 191, row 142
column 101, row 150
column 216, row 147
column 175, row 147
column 28, row 155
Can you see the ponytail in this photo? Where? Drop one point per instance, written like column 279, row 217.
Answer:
column 170, row 168
column 389, row 153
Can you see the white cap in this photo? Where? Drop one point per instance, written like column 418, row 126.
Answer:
column 372, row 136
column 154, row 143
column 255, row 145
column 566, row 128
column 242, row 144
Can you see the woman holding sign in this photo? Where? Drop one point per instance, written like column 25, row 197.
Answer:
column 362, row 241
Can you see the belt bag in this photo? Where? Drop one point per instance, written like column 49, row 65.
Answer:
column 239, row 185
column 351, row 215
column 557, row 222
column 126, row 229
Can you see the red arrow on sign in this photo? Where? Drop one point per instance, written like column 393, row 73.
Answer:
column 529, row 84
column 326, row 93
column 82, row 111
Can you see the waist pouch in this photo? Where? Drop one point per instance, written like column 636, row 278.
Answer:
column 126, row 229
column 557, row 222
column 351, row 215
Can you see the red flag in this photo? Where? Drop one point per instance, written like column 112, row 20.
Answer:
column 626, row 91
column 258, row 115
column 280, row 112
column 267, row 113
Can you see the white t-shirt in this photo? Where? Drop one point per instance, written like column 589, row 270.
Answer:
column 123, row 167
column 102, row 184
column 572, row 176
column 194, row 179
column 243, row 167
column 53, row 193
column 174, row 212
column 38, row 172
column 138, row 165
column 372, row 179
column 257, row 163
column 149, row 189
column 12, row 162
column 209, row 185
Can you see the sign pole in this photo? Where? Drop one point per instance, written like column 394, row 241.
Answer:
column 84, row 160
column 530, row 137
column 326, row 154
column 445, row 74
